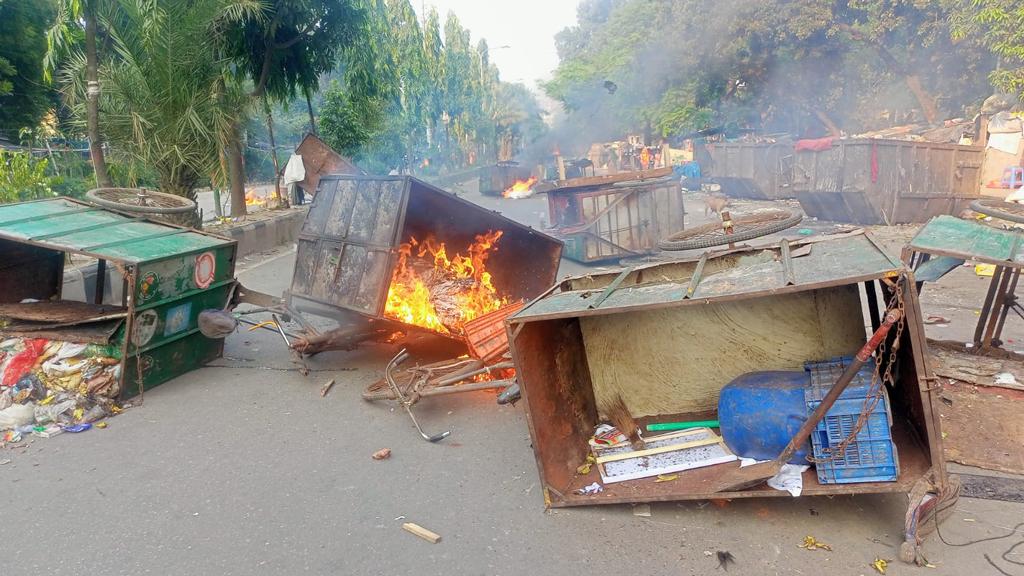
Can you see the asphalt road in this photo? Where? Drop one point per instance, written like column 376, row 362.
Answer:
column 242, row 468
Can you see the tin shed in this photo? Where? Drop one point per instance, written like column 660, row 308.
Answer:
column 169, row 273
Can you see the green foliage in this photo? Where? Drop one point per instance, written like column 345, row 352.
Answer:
column 24, row 178
column 24, row 96
column 166, row 102
column 408, row 96
column 775, row 65
column 999, row 24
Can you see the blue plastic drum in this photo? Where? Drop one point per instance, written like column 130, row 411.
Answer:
column 760, row 411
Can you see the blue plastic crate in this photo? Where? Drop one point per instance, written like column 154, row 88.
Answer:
column 872, row 456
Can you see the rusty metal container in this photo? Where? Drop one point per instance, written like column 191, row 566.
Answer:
column 607, row 218
column 761, row 171
column 497, row 178
column 879, row 181
column 347, row 248
column 666, row 338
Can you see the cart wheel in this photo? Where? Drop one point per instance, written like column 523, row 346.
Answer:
column 140, row 200
column 744, row 228
column 1010, row 211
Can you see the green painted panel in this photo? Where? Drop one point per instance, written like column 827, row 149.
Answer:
column 32, row 229
column 172, row 277
column 127, row 230
column 169, row 361
column 168, row 321
column 156, row 248
column 11, row 212
column 970, row 239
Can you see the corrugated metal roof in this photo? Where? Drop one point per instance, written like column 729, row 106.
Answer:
column 72, row 226
column 747, row 273
column 967, row 240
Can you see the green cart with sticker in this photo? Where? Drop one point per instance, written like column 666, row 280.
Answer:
column 76, row 272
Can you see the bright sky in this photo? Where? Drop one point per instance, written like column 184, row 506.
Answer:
column 526, row 27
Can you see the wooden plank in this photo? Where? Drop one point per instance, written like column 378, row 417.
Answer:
column 422, row 532
column 660, row 450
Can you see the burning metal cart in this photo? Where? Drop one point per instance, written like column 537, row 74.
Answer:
column 665, row 338
column 157, row 277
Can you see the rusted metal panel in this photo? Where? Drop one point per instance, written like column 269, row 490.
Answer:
column 319, row 159
column 761, row 171
column 348, row 244
column 486, row 334
column 90, row 333
column 616, row 220
column 741, row 274
column 877, row 181
column 60, row 312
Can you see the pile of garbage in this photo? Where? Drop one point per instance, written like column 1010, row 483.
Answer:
column 49, row 386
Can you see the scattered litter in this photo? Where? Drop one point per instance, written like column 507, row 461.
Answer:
column 606, row 436
column 987, row 270
column 75, row 428
column 642, row 510
column 880, row 565
column 663, row 454
column 724, row 559
column 101, row 425
column 666, row 478
column 805, row 231
column 1005, row 379
column 790, row 478
column 709, row 553
column 397, row 518
column 591, row 489
column 422, row 532
column 326, row 388
column 935, row 319
column 811, row 543
column 584, row 469
column 5, row 461
column 382, row 454
column 48, row 431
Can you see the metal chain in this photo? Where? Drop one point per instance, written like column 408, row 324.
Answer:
column 874, row 394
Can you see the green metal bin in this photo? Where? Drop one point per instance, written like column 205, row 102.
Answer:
column 169, row 275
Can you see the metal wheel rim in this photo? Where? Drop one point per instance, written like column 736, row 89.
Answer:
column 140, row 200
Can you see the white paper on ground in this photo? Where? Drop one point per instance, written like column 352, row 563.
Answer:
column 790, row 477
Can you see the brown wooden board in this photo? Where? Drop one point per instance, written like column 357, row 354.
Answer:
column 59, row 312
column 983, row 426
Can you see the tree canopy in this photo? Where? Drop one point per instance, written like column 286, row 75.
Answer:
column 807, row 67
column 24, row 95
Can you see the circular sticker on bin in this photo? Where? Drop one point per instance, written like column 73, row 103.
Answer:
column 144, row 327
column 205, row 269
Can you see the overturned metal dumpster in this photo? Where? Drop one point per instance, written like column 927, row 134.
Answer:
column 612, row 217
column 759, row 171
column 878, row 181
column 666, row 338
column 166, row 275
column 396, row 250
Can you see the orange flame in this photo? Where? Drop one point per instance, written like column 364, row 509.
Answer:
column 521, row 189
column 251, row 199
column 433, row 291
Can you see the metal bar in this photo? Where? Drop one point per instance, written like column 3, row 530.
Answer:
column 872, row 296
column 983, row 315
column 101, row 280
column 85, row 229
column 696, row 278
column 611, row 287
column 172, row 232
column 1009, row 302
column 787, row 263
column 997, row 307
column 48, row 216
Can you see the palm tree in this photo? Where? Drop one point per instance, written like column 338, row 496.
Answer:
column 167, row 99
column 61, row 43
